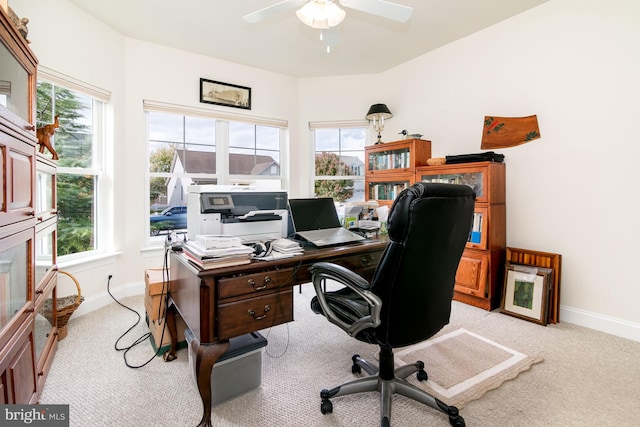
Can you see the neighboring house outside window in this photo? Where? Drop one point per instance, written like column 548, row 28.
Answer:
column 187, row 150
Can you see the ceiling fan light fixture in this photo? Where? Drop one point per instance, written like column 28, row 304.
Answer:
column 321, row 14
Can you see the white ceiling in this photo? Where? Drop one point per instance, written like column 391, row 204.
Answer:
column 362, row 43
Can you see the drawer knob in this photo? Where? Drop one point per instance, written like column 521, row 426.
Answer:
column 252, row 313
column 367, row 260
column 252, row 283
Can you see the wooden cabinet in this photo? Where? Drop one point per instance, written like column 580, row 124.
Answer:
column 390, row 167
column 45, row 267
column 27, row 229
column 480, row 273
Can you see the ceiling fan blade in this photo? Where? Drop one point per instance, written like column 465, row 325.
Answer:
column 383, row 8
column 272, row 10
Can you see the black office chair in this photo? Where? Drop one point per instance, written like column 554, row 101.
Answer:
column 409, row 297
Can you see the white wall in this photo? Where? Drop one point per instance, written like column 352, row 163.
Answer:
column 573, row 63
column 67, row 40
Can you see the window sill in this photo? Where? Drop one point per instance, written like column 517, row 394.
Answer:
column 90, row 261
column 152, row 251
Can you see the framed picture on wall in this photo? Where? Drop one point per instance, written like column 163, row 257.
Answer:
column 227, row 94
column 526, row 292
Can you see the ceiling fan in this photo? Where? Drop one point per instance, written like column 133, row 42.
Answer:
column 326, row 14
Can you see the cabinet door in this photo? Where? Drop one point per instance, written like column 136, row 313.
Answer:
column 386, row 190
column 16, row 282
column 17, row 368
column 45, row 255
column 471, row 277
column 45, row 191
column 486, row 178
column 388, row 158
column 478, row 236
column 18, row 71
column 17, row 186
column 398, row 156
column 45, row 331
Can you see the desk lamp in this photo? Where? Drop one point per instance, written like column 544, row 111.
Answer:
column 376, row 115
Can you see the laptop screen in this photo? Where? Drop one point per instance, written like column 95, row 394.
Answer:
column 313, row 214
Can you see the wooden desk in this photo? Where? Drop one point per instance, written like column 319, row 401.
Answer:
column 223, row 303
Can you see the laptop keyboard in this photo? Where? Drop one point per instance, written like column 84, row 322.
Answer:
column 320, row 234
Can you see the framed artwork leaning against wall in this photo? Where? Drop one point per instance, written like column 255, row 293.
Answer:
column 526, row 292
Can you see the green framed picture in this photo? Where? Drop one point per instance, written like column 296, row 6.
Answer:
column 526, row 292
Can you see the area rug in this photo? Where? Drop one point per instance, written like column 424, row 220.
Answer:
column 462, row 365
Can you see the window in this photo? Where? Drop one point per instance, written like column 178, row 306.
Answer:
column 206, row 148
column 78, row 141
column 339, row 162
column 253, row 150
column 182, row 151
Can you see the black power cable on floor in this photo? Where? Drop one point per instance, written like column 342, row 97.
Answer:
column 144, row 337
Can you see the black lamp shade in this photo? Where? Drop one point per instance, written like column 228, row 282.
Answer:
column 378, row 110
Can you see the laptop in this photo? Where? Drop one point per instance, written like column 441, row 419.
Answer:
column 316, row 221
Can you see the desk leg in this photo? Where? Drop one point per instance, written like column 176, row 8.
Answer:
column 170, row 355
column 206, row 356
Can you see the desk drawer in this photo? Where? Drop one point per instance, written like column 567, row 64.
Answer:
column 254, row 283
column 363, row 264
column 252, row 314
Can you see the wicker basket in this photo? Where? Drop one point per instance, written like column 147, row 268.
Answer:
column 65, row 307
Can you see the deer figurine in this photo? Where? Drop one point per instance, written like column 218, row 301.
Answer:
column 44, row 135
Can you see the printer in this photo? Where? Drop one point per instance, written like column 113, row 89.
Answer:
column 251, row 214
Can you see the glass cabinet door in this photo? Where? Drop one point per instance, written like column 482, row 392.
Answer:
column 472, row 179
column 45, row 320
column 45, row 250
column 389, row 159
column 14, row 84
column 15, row 280
column 478, row 235
column 45, row 191
column 386, row 190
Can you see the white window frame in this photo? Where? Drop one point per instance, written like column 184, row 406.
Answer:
column 222, row 151
column 313, row 126
column 103, row 196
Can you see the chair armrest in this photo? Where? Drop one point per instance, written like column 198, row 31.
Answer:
column 322, row 271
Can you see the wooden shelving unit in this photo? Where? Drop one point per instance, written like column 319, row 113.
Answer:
column 480, row 272
column 28, row 272
column 390, row 167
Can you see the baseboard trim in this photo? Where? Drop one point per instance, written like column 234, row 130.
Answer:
column 600, row 322
column 103, row 299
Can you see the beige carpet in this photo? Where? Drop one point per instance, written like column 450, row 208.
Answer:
column 587, row 379
column 462, row 366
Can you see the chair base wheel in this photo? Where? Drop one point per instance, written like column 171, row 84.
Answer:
column 454, row 417
column 326, row 407
column 457, row 422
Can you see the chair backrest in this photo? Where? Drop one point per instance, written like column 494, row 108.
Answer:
column 428, row 225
